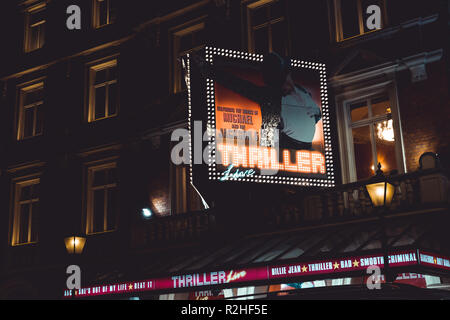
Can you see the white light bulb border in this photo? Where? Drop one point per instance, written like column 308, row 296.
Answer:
column 213, row 174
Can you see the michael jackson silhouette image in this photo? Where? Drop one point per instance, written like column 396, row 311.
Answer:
column 284, row 105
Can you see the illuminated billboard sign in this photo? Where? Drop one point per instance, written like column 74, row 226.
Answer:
column 267, row 117
column 274, row 272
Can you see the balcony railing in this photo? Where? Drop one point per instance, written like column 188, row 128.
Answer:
column 417, row 191
column 420, row 190
column 176, row 228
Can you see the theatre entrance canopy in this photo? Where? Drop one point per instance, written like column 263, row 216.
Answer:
column 335, row 254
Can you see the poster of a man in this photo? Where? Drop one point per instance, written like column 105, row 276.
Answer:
column 285, row 105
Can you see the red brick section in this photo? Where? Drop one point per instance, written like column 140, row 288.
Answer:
column 425, row 114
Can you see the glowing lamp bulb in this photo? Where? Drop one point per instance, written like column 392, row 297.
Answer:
column 146, row 212
column 74, row 244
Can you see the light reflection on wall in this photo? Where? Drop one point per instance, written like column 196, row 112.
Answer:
column 160, row 205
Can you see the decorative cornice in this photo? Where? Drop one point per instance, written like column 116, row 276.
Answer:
column 386, row 68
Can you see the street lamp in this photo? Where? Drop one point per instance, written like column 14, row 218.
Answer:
column 74, row 244
column 381, row 193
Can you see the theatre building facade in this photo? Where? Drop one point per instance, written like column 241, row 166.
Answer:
column 88, row 131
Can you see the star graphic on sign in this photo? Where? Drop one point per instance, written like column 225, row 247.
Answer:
column 336, row 265
column 355, row 263
column 76, row 292
column 304, row 268
column 435, row 261
column 130, row 287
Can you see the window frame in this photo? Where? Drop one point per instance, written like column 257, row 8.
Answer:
column 250, row 28
column 22, row 91
column 27, row 34
column 175, row 34
column 363, row 92
column 339, row 24
column 90, row 170
column 92, row 69
column 17, row 185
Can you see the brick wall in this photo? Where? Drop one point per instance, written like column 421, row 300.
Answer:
column 425, row 114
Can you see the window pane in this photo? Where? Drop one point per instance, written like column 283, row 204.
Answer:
column 363, row 152
column 23, row 223
column 385, row 144
column 99, row 178
column 100, row 99
column 259, row 16
column 99, row 203
column 277, row 10
column 112, row 175
column 112, row 10
column 112, row 208
column 112, row 73
column 33, row 38
column 25, row 193
column 279, row 36
column 380, row 106
column 34, row 221
column 37, row 16
column 102, row 12
column 35, row 191
column 261, row 39
column 359, row 111
column 100, row 76
column 199, row 38
column 33, row 96
column 349, row 13
column 28, row 122
column 39, row 120
column 112, row 100
column 41, row 39
column 186, row 42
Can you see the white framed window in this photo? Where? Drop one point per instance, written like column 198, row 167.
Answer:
column 351, row 16
column 34, row 36
column 267, row 26
column 104, row 12
column 25, row 212
column 186, row 38
column 103, row 100
column 370, row 131
column 30, row 111
column 101, row 198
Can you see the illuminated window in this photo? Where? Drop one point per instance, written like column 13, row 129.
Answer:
column 104, row 12
column 34, row 27
column 185, row 40
column 351, row 17
column 102, row 195
column 31, row 111
column 267, row 26
column 103, row 91
column 372, row 132
column 26, row 212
